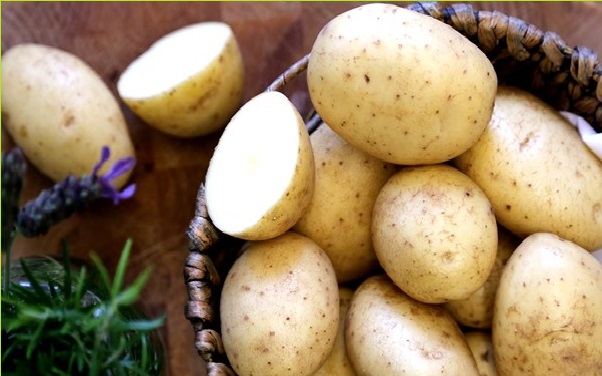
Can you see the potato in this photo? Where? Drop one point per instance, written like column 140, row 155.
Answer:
column 548, row 310
column 61, row 113
column 338, row 217
column 476, row 311
column 399, row 85
column 388, row 333
column 537, row 172
column 280, row 308
column 338, row 363
column 434, row 233
column 188, row 83
column 481, row 347
column 260, row 178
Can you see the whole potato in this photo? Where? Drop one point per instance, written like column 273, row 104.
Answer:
column 548, row 310
column 434, row 233
column 279, row 308
column 339, row 214
column 389, row 333
column 476, row 311
column 481, row 347
column 400, row 85
column 537, row 172
column 338, row 363
column 60, row 112
column 189, row 82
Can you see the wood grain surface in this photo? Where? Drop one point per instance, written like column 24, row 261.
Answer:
column 108, row 36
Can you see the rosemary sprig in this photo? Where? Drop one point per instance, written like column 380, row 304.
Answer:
column 56, row 321
column 77, row 324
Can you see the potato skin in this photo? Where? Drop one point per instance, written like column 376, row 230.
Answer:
column 537, row 172
column 481, row 347
column 400, row 85
column 338, row 363
column 388, row 333
column 434, row 233
column 476, row 311
column 201, row 105
column 279, row 308
column 60, row 112
column 339, row 214
column 548, row 310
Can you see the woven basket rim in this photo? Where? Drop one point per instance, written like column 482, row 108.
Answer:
column 569, row 79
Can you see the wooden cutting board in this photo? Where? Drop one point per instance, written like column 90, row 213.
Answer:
column 108, row 36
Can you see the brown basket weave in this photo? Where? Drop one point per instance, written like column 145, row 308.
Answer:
column 540, row 62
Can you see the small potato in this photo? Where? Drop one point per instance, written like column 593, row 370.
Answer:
column 434, row 233
column 260, row 178
column 537, row 172
column 481, row 347
column 548, row 310
column 279, row 308
column 338, row 363
column 476, row 311
column 188, row 83
column 339, row 214
column 61, row 113
column 400, row 85
column 388, row 333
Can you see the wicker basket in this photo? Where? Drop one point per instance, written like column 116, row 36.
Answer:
column 568, row 78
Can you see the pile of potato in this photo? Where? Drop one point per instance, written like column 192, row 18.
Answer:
column 435, row 223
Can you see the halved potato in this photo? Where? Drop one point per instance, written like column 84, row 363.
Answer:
column 188, row 83
column 260, row 179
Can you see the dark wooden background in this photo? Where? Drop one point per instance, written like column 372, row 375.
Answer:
column 108, row 36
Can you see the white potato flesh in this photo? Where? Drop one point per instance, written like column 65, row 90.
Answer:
column 189, row 82
column 147, row 75
column 261, row 176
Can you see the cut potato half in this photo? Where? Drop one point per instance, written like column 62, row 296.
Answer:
column 189, row 82
column 261, row 176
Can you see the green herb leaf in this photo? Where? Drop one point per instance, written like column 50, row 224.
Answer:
column 70, row 324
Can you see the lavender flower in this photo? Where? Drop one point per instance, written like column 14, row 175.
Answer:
column 13, row 172
column 73, row 195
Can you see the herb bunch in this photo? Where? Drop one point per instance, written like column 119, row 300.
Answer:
column 63, row 319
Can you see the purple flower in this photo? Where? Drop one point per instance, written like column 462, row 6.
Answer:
column 119, row 168
column 73, row 195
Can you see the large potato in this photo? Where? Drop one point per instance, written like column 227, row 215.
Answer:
column 388, row 333
column 476, row 311
column 548, row 310
column 338, row 363
column 537, row 172
column 279, row 308
column 434, row 233
column 400, row 85
column 60, row 112
column 339, row 214
column 260, row 178
column 189, row 82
